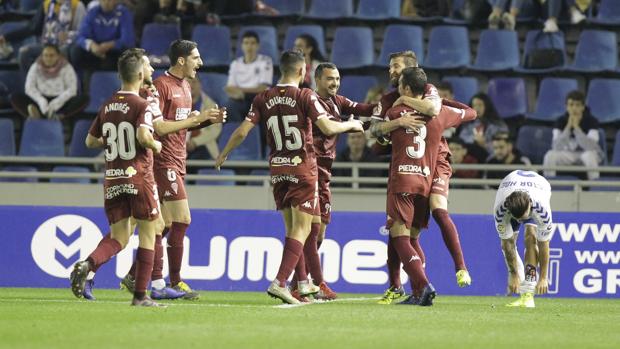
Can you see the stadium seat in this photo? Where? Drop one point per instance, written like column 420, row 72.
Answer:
column 70, row 169
column 551, row 100
column 17, row 168
column 13, row 80
column 330, row 9
column 287, row 7
column 534, row 142
column 156, row 37
column 77, row 147
column 602, row 142
column 355, row 87
column 606, row 188
column 401, row 37
column 378, row 10
column 497, row 50
column 615, row 159
column 603, row 101
column 535, row 39
column 213, row 85
column 564, row 178
column 258, row 172
column 103, row 84
column 313, row 30
column 448, row 48
column 29, row 6
column 352, row 47
column 608, row 12
column 596, row 51
column 248, row 150
column 509, row 96
column 464, row 87
column 268, row 41
column 7, row 137
column 213, row 44
column 11, row 26
column 214, row 172
column 42, row 138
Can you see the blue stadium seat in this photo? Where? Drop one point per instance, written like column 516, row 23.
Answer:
column 355, row 87
column 11, row 26
column 608, row 12
column 77, row 147
column 213, row 44
column 596, row 51
column 156, row 37
column 603, row 99
column 562, row 177
column 258, row 172
column 535, row 39
column 615, row 159
column 268, row 41
column 103, row 84
column 401, row 37
column 497, row 50
column 313, row 30
column 70, row 169
column 29, row 6
column 17, row 168
column 287, row 7
column 42, row 138
column 606, row 188
column 214, row 172
column 378, row 10
column 464, row 87
column 352, row 47
column 534, row 142
column 448, row 48
column 213, row 85
column 602, row 142
column 7, row 137
column 248, row 150
column 509, row 96
column 551, row 100
column 330, row 9
column 12, row 79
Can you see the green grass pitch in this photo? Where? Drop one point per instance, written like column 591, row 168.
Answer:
column 53, row 318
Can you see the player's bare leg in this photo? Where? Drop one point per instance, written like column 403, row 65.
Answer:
column 439, row 208
column 144, row 258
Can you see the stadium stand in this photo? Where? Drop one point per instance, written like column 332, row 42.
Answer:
column 534, row 142
column 352, row 47
column 7, row 137
column 330, row 9
column 250, row 149
column 287, row 7
column 355, row 87
column 313, row 30
column 214, row 172
column 603, row 101
column 497, row 50
column 156, row 37
column 268, row 41
column 70, row 169
column 77, row 148
column 448, row 48
column 103, row 84
column 464, row 87
column 401, row 37
column 42, row 138
column 509, row 96
column 213, row 44
column 551, row 100
column 378, row 10
column 596, row 52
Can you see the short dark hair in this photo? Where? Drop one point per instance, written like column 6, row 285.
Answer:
column 576, row 95
column 130, row 65
column 322, row 66
column 180, row 48
column 415, row 78
column 517, row 203
column 503, row 136
column 250, row 34
column 445, row 85
column 289, row 61
column 52, row 46
column 311, row 41
column 411, row 60
column 457, row 140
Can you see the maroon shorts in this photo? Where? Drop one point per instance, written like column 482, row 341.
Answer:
column 411, row 209
column 291, row 190
column 127, row 200
column 171, row 184
column 443, row 172
column 325, row 194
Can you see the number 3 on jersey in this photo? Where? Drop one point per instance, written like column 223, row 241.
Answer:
column 121, row 141
column 418, row 139
column 272, row 124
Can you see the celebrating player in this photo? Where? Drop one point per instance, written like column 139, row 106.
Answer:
column 524, row 197
column 287, row 113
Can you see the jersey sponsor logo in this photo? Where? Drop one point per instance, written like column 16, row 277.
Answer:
column 182, row 113
column 116, row 173
column 284, row 178
column 414, row 170
column 175, row 187
column 154, row 211
column 501, row 228
column 306, row 204
column 439, row 180
column 280, row 100
column 285, row 161
column 327, row 208
column 122, row 107
column 167, row 194
column 119, row 189
column 61, row 241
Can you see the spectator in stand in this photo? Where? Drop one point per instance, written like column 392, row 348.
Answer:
column 55, row 22
column 504, row 153
column 308, row 45
column 203, row 142
column 358, row 151
column 479, row 133
column 248, row 75
column 576, row 9
column 104, row 34
column 575, row 138
column 425, row 8
column 460, row 155
column 51, row 88
column 504, row 15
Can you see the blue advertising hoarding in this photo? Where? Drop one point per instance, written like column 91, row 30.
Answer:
column 241, row 250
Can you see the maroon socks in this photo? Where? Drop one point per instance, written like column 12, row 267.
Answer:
column 450, row 237
column 175, row 251
column 293, row 249
column 411, row 263
column 144, row 268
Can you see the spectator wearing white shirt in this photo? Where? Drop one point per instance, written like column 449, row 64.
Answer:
column 248, row 75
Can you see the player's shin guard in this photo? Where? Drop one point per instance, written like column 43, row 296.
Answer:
column 175, row 251
column 144, row 268
column 290, row 256
column 450, row 237
column 415, row 243
column 106, row 249
column 311, row 254
column 393, row 264
column 411, row 263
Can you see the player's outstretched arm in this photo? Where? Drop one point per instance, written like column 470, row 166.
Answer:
column 425, row 106
column 93, row 142
column 509, row 250
column 330, row 127
column 237, row 137
column 195, row 119
column 383, row 128
column 543, row 260
column 145, row 138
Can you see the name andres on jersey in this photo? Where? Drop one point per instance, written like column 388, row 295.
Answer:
column 122, row 107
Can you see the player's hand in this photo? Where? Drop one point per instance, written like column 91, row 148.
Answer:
column 215, row 115
column 411, row 121
column 356, row 125
column 542, row 287
column 219, row 161
column 157, row 149
column 513, row 282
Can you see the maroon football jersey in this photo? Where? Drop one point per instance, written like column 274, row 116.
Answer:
column 414, row 152
column 128, row 164
column 388, row 99
column 152, row 97
column 175, row 102
column 338, row 108
column 288, row 113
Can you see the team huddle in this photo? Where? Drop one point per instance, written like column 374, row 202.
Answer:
column 143, row 130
